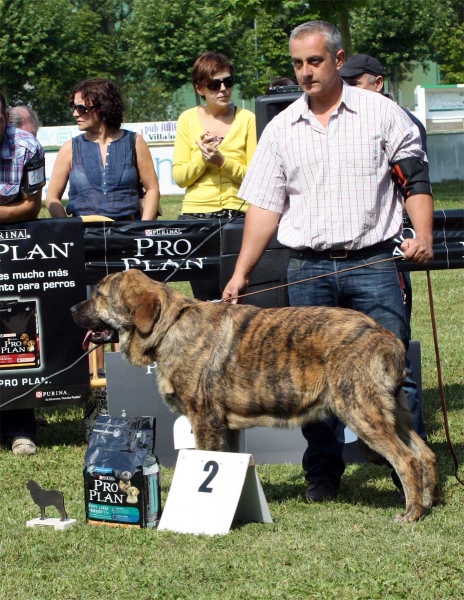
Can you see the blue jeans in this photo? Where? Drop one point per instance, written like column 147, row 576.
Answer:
column 375, row 291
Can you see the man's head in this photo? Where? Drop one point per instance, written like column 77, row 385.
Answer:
column 364, row 71
column 24, row 118
column 317, row 56
column 3, row 117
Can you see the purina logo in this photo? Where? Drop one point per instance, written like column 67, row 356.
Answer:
column 13, row 234
column 52, row 395
column 164, row 231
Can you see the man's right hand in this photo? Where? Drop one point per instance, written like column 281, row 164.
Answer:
column 236, row 286
column 260, row 225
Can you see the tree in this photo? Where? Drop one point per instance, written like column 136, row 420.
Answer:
column 398, row 33
column 263, row 54
column 46, row 47
column 167, row 36
column 449, row 41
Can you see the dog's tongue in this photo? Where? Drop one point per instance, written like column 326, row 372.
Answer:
column 87, row 340
column 100, row 336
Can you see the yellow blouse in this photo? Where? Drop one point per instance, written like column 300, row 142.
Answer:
column 210, row 188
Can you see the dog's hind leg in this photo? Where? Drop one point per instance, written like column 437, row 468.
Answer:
column 409, row 468
column 375, row 425
column 431, row 494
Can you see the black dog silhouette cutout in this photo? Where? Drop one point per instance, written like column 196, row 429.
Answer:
column 44, row 498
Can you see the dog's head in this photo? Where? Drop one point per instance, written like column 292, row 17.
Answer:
column 125, row 305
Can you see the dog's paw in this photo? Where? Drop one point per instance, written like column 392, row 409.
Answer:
column 409, row 516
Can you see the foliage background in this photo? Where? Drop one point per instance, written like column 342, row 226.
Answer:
column 149, row 46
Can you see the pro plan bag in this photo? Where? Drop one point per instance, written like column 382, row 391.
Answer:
column 19, row 335
column 122, row 473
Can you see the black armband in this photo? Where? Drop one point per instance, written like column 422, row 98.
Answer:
column 33, row 176
column 411, row 176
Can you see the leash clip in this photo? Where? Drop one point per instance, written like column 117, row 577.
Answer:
column 397, row 250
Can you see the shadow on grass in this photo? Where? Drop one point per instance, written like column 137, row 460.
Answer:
column 65, row 427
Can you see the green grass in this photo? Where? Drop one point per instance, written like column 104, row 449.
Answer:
column 349, row 549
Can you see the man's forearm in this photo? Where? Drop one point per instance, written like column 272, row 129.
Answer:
column 260, row 226
column 25, row 209
column 420, row 211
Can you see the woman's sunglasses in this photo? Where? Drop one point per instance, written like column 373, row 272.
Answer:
column 81, row 109
column 215, row 84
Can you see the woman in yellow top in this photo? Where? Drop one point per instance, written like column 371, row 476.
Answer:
column 213, row 148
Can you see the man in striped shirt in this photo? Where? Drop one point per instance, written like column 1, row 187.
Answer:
column 22, row 176
column 324, row 173
column 22, row 172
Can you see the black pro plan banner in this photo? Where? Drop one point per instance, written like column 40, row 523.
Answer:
column 155, row 247
column 41, row 276
column 448, row 241
column 158, row 247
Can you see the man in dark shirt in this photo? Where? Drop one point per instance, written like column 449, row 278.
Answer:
column 366, row 72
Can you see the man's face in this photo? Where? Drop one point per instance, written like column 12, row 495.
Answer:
column 27, row 124
column 316, row 70
column 365, row 82
column 3, row 122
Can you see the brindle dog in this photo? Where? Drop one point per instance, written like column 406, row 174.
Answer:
column 232, row 367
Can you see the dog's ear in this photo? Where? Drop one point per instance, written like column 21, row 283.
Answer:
column 143, row 305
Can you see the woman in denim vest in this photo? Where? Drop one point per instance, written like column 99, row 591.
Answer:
column 101, row 166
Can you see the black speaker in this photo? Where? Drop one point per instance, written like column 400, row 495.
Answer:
column 267, row 107
column 271, row 270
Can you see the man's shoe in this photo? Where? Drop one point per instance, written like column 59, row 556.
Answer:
column 23, row 445
column 321, row 491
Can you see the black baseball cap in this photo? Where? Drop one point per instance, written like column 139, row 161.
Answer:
column 359, row 64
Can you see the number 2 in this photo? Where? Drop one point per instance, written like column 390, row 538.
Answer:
column 214, row 467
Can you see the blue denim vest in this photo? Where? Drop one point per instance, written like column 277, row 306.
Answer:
column 96, row 189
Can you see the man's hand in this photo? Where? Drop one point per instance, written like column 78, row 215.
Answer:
column 236, row 286
column 417, row 250
column 260, row 225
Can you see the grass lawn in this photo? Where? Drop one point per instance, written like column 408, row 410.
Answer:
column 349, row 549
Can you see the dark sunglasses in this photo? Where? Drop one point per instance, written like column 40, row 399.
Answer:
column 81, row 109
column 215, row 84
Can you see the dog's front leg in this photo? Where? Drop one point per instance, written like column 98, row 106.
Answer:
column 210, row 433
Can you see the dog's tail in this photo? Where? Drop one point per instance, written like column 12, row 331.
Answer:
column 387, row 370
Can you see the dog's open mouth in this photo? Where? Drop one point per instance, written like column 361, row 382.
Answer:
column 103, row 335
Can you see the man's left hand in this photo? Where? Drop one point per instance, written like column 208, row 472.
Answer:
column 417, row 250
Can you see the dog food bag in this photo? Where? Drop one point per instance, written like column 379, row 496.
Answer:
column 19, row 335
column 122, row 473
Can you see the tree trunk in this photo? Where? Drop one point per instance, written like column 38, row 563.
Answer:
column 343, row 20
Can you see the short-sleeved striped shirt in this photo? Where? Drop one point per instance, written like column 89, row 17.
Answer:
column 333, row 184
column 18, row 148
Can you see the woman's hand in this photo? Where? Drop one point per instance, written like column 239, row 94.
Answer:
column 208, row 146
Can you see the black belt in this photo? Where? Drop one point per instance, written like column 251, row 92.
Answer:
column 227, row 213
column 339, row 252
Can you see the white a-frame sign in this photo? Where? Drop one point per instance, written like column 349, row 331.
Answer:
column 210, row 489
